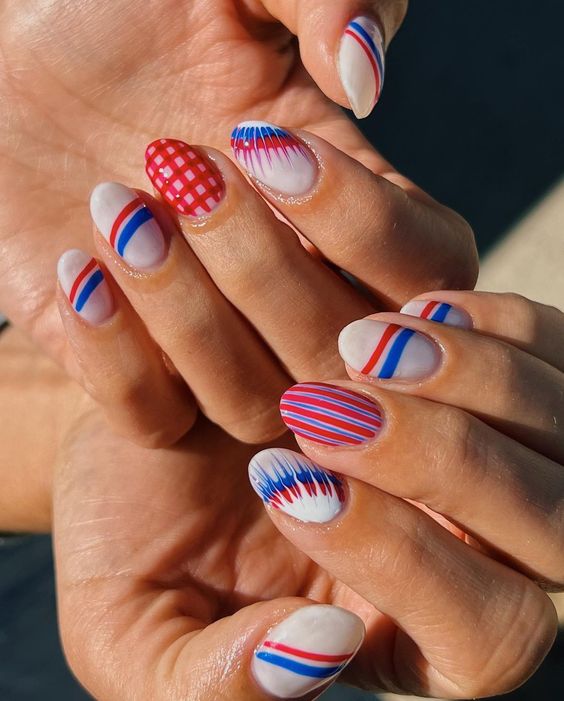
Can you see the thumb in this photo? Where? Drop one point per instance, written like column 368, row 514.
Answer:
column 342, row 44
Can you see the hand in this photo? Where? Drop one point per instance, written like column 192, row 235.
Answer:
column 243, row 310
column 166, row 563
column 85, row 88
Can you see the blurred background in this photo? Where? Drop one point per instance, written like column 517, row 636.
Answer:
column 473, row 111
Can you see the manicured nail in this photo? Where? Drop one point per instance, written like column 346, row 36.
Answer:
column 129, row 226
column 361, row 64
column 83, row 283
column 275, row 157
column 440, row 312
column 296, row 485
column 307, row 650
column 187, row 180
column 383, row 350
column 330, row 415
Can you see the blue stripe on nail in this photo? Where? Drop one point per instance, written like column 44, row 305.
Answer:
column 441, row 313
column 395, row 353
column 305, row 670
column 88, row 289
column 137, row 220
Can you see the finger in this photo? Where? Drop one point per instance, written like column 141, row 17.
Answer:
column 232, row 374
column 380, row 228
column 135, row 623
column 507, row 496
column 511, row 390
column 258, row 264
column 343, row 46
column 467, row 625
column 536, row 328
column 117, row 362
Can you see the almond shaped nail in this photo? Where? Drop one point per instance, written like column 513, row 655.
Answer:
column 382, row 350
column 441, row 312
column 330, row 415
column 128, row 225
column 296, row 485
column 307, row 650
column 84, row 284
column 275, row 157
column 361, row 64
column 187, row 180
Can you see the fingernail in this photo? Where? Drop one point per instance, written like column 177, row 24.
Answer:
column 383, row 350
column 308, row 649
column 84, row 284
column 296, row 485
column 440, row 312
column 330, row 415
column 275, row 157
column 187, row 180
column 361, row 64
column 129, row 226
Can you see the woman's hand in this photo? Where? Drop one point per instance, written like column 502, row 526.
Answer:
column 168, row 566
column 86, row 86
column 243, row 310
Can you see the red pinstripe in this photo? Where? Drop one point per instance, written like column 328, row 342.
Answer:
column 121, row 217
column 83, row 273
column 318, row 657
column 426, row 313
column 375, row 357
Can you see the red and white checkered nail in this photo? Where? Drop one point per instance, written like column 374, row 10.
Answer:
column 188, row 181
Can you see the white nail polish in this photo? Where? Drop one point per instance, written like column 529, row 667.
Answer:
column 84, row 284
column 275, row 157
column 382, row 350
column 307, row 650
column 441, row 312
column 296, row 485
column 126, row 222
column 361, row 64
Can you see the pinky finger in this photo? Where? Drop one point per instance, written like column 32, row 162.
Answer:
column 118, row 363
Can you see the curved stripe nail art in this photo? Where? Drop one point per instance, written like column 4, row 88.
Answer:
column 361, row 64
column 330, row 415
column 440, row 312
column 275, row 157
column 129, row 226
column 187, row 180
column 83, row 282
column 296, row 485
column 382, row 350
column 307, row 650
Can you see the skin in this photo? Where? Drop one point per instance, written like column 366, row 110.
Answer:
column 447, row 614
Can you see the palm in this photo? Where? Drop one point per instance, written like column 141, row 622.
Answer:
column 83, row 92
column 179, row 530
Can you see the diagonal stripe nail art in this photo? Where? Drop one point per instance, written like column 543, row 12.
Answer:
column 385, row 351
column 330, row 415
column 440, row 312
column 83, row 282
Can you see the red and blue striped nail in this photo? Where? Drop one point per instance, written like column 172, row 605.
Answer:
column 330, row 415
column 128, row 225
column 83, row 282
column 388, row 351
column 441, row 312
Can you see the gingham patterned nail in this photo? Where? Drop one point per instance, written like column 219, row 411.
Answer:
column 129, row 226
column 385, row 351
column 275, row 157
column 361, row 64
column 330, row 415
column 296, row 485
column 187, row 180
column 307, row 650
column 440, row 312
column 83, row 283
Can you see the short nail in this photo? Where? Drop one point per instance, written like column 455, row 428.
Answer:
column 275, row 157
column 382, row 350
column 187, row 180
column 307, row 650
column 330, row 415
column 440, row 312
column 296, row 485
column 361, row 64
column 129, row 226
column 84, row 284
